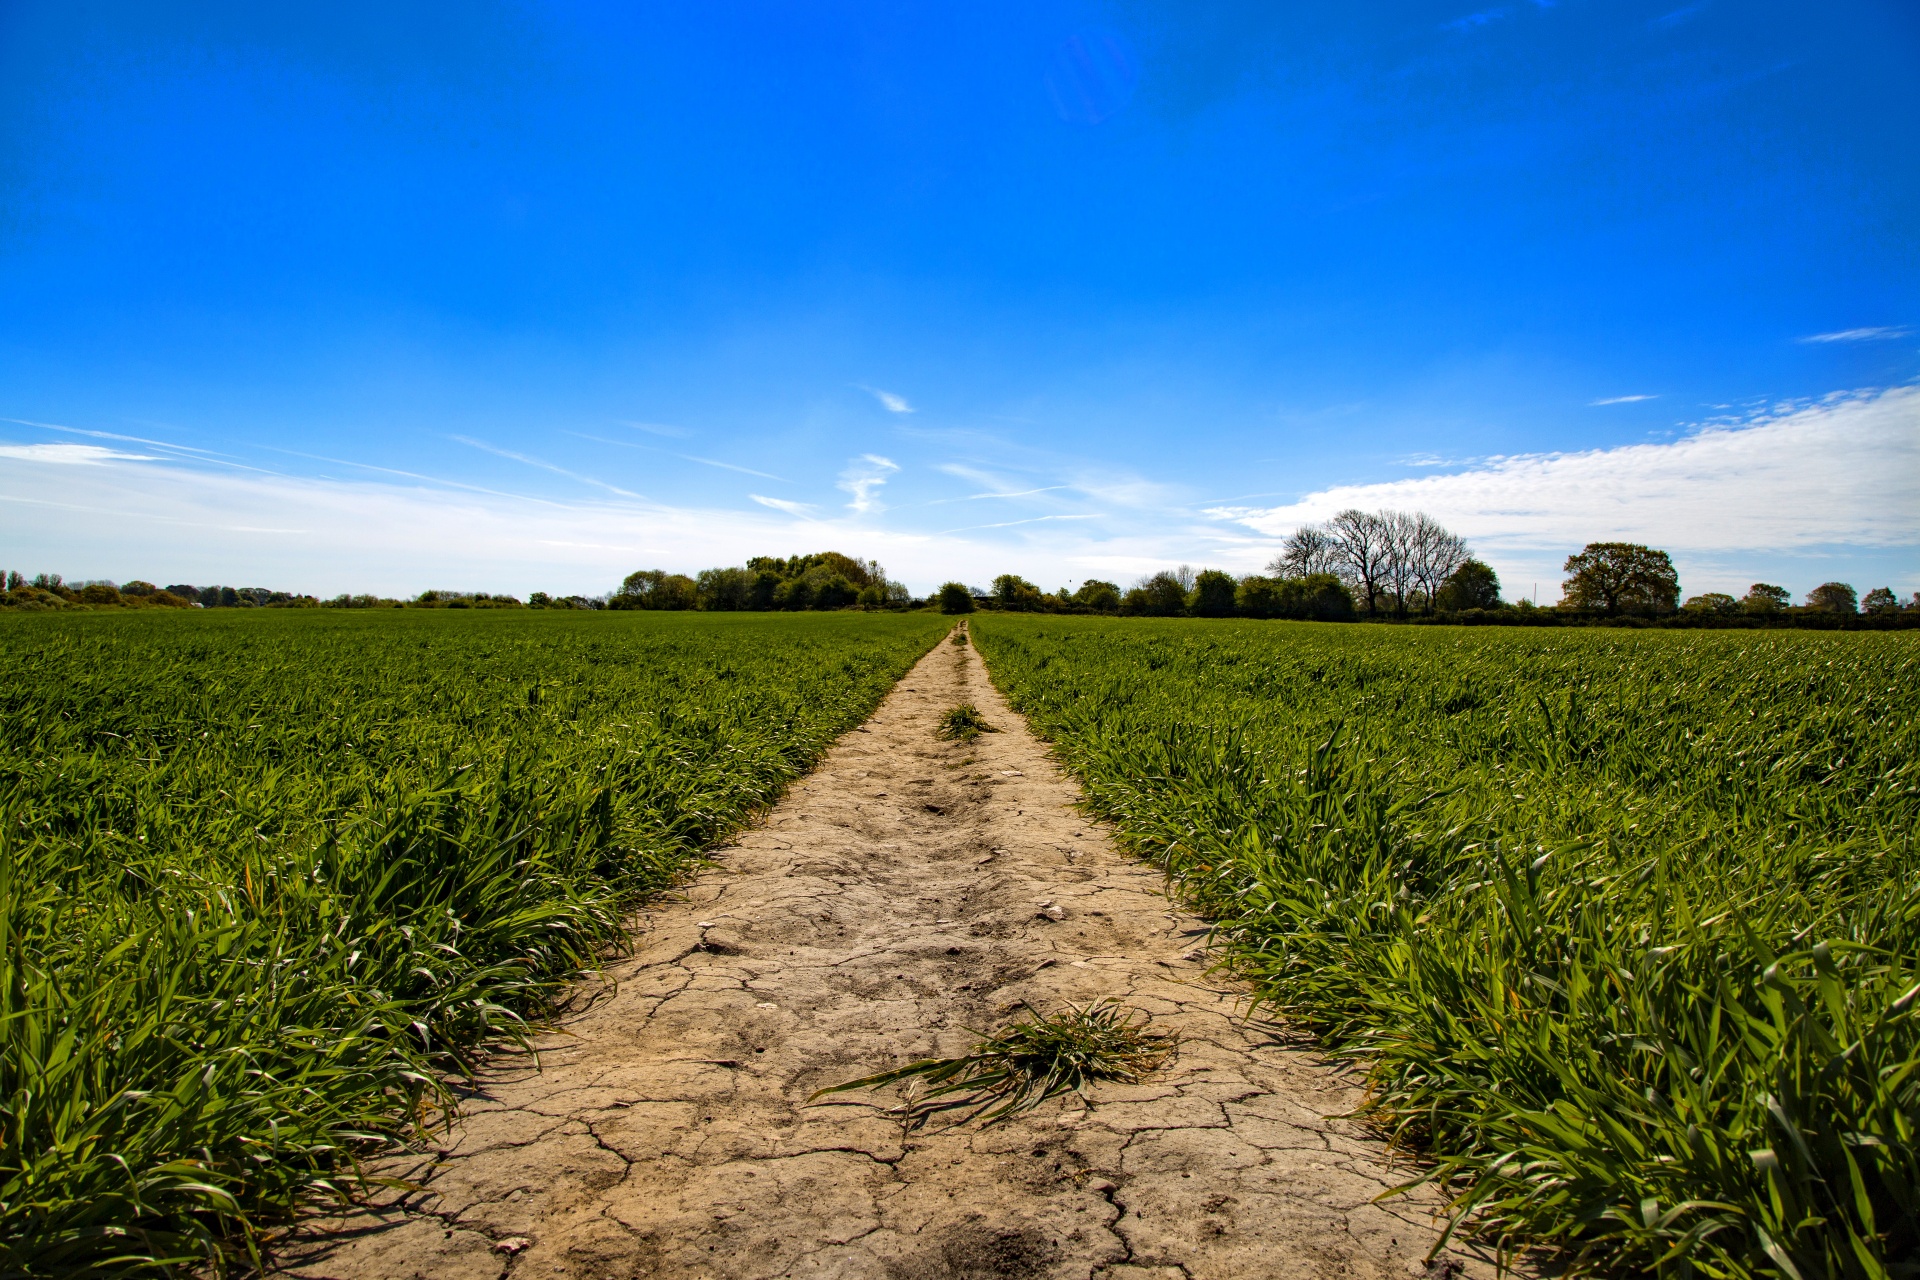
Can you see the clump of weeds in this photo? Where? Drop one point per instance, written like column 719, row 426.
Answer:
column 959, row 638
column 1037, row 1058
column 964, row 723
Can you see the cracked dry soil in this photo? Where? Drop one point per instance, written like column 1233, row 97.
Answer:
column 908, row 890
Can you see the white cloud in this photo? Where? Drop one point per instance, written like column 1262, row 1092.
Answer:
column 1877, row 333
column 1620, row 400
column 781, row 504
column 70, row 455
column 659, row 429
column 1843, row 472
column 863, row 479
column 888, row 400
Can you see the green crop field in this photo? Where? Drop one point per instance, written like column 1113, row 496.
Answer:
column 267, row 879
column 1624, row 924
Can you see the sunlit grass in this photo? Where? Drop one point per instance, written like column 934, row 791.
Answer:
column 1626, row 927
column 269, row 881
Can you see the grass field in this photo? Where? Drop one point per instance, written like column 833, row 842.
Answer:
column 267, row 879
column 1624, row 924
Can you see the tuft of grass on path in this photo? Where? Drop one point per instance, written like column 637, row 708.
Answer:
column 1037, row 1058
column 964, row 723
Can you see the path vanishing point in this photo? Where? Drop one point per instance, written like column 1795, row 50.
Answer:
column 909, row 890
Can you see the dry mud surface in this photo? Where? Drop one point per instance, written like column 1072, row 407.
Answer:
column 908, row 890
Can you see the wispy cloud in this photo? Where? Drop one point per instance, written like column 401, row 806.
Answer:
column 207, row 457
column 71, row 455
column 527, row 460
column 781, row 504
column 1621, row 400
column 684, row 457
column 409, row 475
column 115, row 435
column 1876, row 333
column 863, row 479
column 888, row 400
column 733, row 466
column 1472, row 21
column 1008, row 524
column 659, row 429
column 996, row 487
column 1678, row 16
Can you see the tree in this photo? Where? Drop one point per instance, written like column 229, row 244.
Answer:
column 1212, row 595
column 1878, row 600
column 1012, row 592
column 1162, row 595
column 1764, row 597
column 1363, row 549
column 1833, row 597
column 1434, row 556
column 1711, row 602
column 1473, row 585
column 1308, row 550
column 1319, row 596
column 724, row 590
column 1257, row 597
column 1101, row 597
column 1617, row 577
column 955, row 598
column 1403, row 556
column 655, row 589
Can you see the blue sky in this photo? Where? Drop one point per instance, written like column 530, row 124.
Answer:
column 381, row 297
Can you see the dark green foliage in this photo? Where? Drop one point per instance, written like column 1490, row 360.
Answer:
column 655, row 589
column 1319, row 597
column 1474, row 585
column 955, row 598
column 1212, row 595
column 1010, row 591
column 1161, row 596
column 267, row 879
column 1098, row 596
column 1625, row 924
column 1828, row 597
column 1620, row 577
column 1035, row 1059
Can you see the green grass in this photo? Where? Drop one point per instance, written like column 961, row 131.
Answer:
column 1625, row 925
column 268, row 880
column 1041, row 1056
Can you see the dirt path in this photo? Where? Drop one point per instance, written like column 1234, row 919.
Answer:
column 908, row 890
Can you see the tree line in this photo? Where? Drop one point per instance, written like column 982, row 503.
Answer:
column 1359, row 564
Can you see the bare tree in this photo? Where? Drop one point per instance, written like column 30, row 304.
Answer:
column 1402, row 554
column 1402, row 533
column 1436, row 554
column 1362, row 548
column 1308, row 550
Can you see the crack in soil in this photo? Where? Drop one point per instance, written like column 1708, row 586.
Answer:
column 668, row 1133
